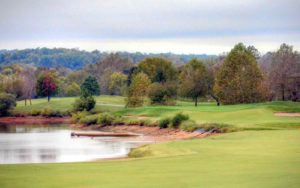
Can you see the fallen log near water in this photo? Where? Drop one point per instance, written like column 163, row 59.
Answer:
column 102, row 134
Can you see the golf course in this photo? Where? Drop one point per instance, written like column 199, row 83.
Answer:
column 262, row 151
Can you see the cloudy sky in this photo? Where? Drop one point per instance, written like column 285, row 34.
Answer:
column 182, row 26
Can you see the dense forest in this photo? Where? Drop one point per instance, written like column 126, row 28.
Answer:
column 76, row 59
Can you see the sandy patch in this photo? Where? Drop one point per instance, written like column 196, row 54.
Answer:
column 286, row 114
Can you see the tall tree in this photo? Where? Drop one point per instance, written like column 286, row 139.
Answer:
column 193, row 80
column 158, row 69
column 90, row 86
column 117, row 83
column 47, row 84
column 7, row 102
column 283, row 73
column 28, row 76
column 239, row 79
column 138, row 90
column 111, row 63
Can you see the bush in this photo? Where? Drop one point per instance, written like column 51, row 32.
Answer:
column 35, row 112
column 188, row 126
column 164, row 123
column 79, row 115
column 105, row 119
column 7, row 102
column 132, row 122
column 147, row 122
column 161, row 94
column 218, row 127
column 47, row 112
column 84, row 103
column 178, row 119
column 89, row 120
column 143, row 151
column 118, row 121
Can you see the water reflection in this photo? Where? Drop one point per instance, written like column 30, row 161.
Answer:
column 53, row 143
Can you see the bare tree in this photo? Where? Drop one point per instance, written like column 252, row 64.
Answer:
column 285, row 64
column 28, row 76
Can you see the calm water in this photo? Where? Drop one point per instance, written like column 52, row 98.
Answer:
column 53, row 143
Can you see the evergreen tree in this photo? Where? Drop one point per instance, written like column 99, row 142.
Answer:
column 90, row 86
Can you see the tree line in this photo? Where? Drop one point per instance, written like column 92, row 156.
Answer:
column 76, row 59
column 241, row 76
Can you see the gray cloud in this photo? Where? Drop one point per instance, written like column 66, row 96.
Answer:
column 63, row 20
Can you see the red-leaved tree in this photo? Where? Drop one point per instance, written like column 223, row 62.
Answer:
column 47, row 84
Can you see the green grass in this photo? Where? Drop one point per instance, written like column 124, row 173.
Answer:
column 242, row 116
column 103, row 102
column 240, row 159
column 266, row 157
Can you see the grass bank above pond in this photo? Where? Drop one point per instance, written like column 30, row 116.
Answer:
column 243, row 116
column 240, row 159
column 261, row 158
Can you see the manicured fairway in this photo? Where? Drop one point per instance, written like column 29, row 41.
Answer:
column 241, row 159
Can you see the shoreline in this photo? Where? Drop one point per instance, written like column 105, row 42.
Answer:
column 148, row 133
column 35, row 120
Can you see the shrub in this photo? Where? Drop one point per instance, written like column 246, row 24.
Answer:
column 56, row 113
column 188, row 126
column 105, row 119
column 35, row 112
column 46, row 112
column 84, row 103
column 132, row 122
column 218, row 127
column 7, row 102
column 147, row 122
column 118, row 121
column 164, row 123
column 89, row 120
column 161, row 94
column 79, row 115
column 178, row 119
column 143, row 151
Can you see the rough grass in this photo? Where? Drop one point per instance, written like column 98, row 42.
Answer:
column 240, row 159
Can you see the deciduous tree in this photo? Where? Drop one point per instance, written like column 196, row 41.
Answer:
column 285, row 71
column 158, row 69
column 193, row 80
column 117, row 83
column 239, row 79
column 47, row 84
column 138, row 90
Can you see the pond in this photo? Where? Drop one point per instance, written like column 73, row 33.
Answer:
column 53, row 143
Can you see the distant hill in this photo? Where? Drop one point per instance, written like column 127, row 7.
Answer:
column 76, row 59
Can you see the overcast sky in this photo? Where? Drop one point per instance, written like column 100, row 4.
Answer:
column 182, row 26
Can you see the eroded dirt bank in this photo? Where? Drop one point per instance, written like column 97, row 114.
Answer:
column 147, row 133
column 35, row 120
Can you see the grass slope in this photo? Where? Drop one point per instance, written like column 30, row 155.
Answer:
column 244, row 116
column 241, row 159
